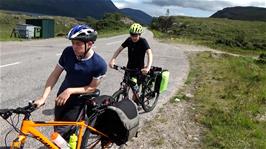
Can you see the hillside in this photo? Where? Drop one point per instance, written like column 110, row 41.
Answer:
column 224, row 34
column 62, row 7
column 137, row 15
column 242, row 13
column 110, row 24
column 92, row 8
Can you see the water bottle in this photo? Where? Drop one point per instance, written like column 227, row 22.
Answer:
column 73, row 141
column 59, row 140
column 135, row 87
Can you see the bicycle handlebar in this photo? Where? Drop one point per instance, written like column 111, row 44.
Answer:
column 116, row 67
column 6, row 113
column 153, row 70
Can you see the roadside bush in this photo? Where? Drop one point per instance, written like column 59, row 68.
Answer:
column 111, row 21
column 90, row 21
column 262, row 59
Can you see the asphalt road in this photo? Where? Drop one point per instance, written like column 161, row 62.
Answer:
column 25, row 66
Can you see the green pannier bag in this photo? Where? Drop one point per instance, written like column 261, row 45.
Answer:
column 162, row 79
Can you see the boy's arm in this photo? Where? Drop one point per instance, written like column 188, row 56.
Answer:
column 51, row 81
column 117, row 52
column 150, row 58
column 146, row 69
column 63, row 97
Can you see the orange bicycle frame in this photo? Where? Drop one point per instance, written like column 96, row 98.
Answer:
column 28, row 127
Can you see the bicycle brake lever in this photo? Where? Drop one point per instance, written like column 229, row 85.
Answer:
column 115, row 67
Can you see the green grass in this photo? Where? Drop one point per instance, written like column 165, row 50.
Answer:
column 8, row 21
column 157, row 142
column 109, row 33
column 247, row 37
column 230, row 97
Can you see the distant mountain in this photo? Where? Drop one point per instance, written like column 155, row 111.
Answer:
column 71, row 8
column 242, row 13
column 137, row 15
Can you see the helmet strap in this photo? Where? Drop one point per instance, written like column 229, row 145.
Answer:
column 86, row 50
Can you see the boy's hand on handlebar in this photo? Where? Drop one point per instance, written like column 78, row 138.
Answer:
column 112, row 63
column 145, row 70
column 39, row 102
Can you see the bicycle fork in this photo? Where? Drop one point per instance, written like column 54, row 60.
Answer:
column 19, row 142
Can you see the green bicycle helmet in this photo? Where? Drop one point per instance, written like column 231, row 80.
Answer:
column 135, row 28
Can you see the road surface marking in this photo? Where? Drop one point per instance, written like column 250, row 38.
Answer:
column 10, row 64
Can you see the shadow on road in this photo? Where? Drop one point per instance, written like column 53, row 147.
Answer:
column 47, row 112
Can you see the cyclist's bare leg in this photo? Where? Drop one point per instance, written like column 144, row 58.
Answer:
column 135, row 98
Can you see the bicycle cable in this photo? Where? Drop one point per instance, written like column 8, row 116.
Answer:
column 7, row 136
column 14, row 126
column 11, row 124
column 119, row 70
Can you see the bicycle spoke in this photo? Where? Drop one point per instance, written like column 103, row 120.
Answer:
column 150, row 97
column 95, row 142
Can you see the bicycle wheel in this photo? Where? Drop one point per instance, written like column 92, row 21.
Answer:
column 88, row 136
column 92, row 140
column 149, row 97
column 119, row 95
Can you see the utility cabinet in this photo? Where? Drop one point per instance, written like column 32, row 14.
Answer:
column 47, row 27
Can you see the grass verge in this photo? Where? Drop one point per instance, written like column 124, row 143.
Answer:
column 230, row 97
column 110, row 33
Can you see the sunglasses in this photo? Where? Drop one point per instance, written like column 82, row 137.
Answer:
column 131, row 34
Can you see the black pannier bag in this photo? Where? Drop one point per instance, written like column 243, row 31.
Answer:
column 102, row 99
column 119, row 121
column 158, row 72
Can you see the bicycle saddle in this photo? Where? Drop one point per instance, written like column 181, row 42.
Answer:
column 96, row 93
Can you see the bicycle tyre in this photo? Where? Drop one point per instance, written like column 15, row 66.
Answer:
column 90, row 139
column 87, row 135
column 119, row 95
column 149, row 97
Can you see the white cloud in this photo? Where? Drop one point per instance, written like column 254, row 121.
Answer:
column 248, row 2
column 152, row 10
column 133, row 1
column 202, row 8
column 120, row 5
column 209, row 5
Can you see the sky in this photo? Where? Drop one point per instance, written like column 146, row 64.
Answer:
column 195, row 8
